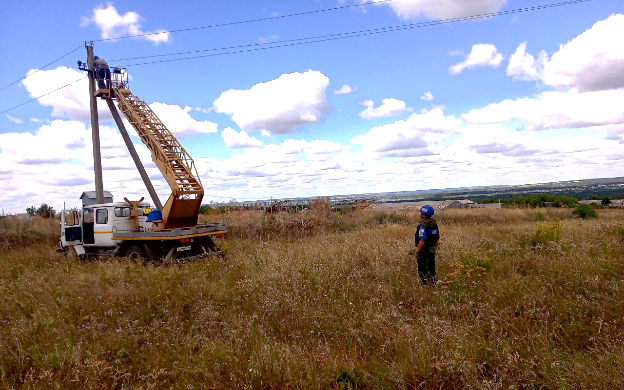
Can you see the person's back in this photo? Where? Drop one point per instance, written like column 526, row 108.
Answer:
column 426, row 241
column 102, row 72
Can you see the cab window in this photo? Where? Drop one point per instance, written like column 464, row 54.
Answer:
column 101, row 216
column 71, row 218
column 122, row 211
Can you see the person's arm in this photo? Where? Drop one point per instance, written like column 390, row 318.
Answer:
column 421, row 243
column 421, row 234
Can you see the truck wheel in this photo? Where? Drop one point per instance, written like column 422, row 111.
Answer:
column 135, row 254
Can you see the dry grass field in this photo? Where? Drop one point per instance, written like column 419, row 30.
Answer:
column 325, row 300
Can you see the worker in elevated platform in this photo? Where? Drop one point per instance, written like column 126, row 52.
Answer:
column 102, row 73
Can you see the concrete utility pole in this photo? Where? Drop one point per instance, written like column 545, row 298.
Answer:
column 95, row 129
column 133, row 153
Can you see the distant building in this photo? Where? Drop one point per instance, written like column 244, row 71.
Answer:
column 439, row 204
column 89, row 198
column 455, row 204
column 488, row 206
column 616, row 204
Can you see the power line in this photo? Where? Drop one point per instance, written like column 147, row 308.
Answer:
column 43, row 67
column 45, row 94
column 295, row 42
column 331, row 37
column 199, row 28
column 245, row 21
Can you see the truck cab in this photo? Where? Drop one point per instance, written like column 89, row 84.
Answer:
column 91, row 228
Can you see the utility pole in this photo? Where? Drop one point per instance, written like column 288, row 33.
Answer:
column 95, row 128
column 133, row 153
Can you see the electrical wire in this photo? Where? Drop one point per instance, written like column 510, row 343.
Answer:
column 245, row 21
column 43, row 67
column 199, row 28
column 331, row 37
column 295, row 42
column 45, row 94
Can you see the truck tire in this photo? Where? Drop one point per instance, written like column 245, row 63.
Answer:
column 135, row 254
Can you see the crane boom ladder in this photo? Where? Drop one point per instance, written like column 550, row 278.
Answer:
column 175, row 164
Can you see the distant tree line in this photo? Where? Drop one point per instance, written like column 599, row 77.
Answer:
column 541, row 200
column 45, row 211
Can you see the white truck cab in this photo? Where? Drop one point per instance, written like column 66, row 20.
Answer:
column 93, row 226
column 113, row 229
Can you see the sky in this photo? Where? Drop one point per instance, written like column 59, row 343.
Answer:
column 278, row 99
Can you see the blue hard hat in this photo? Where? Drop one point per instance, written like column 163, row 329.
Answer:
column 427, row 210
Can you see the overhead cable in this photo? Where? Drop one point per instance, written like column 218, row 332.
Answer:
column 43, row 67
column 331, row 37
column 244, row 21
column 45, row 94
column 295, row 42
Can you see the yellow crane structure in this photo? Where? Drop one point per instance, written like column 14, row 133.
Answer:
column 132, row 228
column 175, row 164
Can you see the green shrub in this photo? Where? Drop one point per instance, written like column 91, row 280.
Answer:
column 585, row 211
column 383, row 217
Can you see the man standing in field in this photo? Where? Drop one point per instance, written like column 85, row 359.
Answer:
column 426, row 240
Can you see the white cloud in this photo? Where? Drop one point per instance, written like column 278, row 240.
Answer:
column 437, row 9
column 279, row 106
column 593, row 61
column 346, row 89
column 427, row 96
column 72, row 101
column 113, row 25
column 479, row 155
column 235, row 140
column 414, row 137
column 553, row 110
column 55, row 164
column 497, row 139
column 616, row 133
column 14, row 120
column 35, row 120
column 522, row 65
column 268, row 39
column 179, row 122
column 481, row 55
column 389, row 107
column 315, row 150
column 203, row 110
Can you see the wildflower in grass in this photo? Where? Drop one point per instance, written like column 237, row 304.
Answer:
column 546, row 232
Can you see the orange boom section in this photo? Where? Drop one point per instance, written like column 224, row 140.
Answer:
column 175, row 164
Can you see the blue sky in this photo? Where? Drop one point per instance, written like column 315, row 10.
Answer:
column 517, row 98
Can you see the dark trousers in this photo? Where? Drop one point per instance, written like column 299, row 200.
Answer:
column 426, row 268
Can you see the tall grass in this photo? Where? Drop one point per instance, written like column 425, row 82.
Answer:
column 335, row 306
column 24, row 231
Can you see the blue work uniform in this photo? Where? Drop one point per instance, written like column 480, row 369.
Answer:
column 429, row 232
